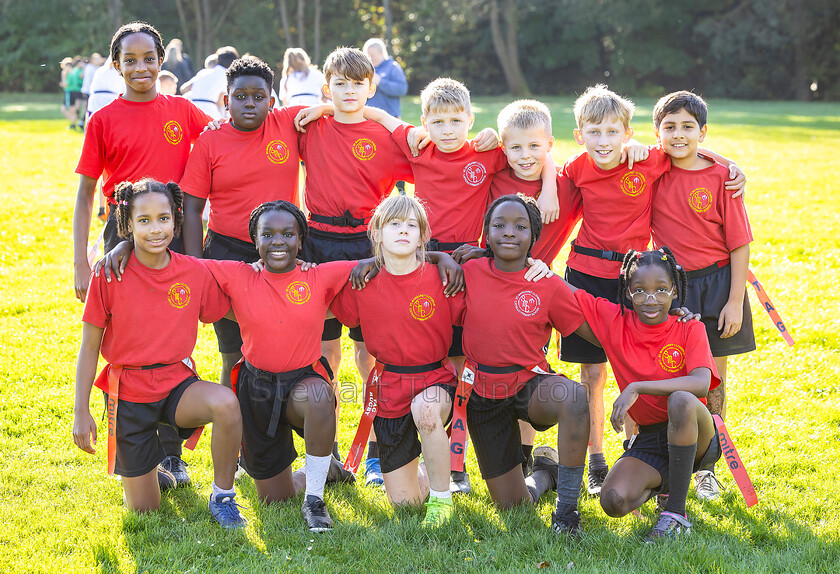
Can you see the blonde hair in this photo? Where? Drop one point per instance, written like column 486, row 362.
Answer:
column 400, row 207
column 445, row 94
column 524, row 115
column 350, row 63
column 295, row 60
column 599, row 103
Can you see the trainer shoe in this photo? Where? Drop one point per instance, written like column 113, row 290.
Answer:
column 240, row 468
column 459, row 482
column 707, row 485
column 568, row 524
column 166, row 479
column 225, row 511
column 669, row 525
column 546, row 458
column 596, row 480
column 315, row 514
column 178, row 468
column 336, row 473
column 373, row 472
column 439, row 511
column 661, row 502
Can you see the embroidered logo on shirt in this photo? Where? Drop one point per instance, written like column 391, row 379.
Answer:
column 422, row 307
column 671, row 358
column 277, row 151
column 172, row 132
column 527, row 303
column 632, row 183
column 475, row 173
column 700, row 199
column 179, row 295
column 298, row 292
column 364, row 149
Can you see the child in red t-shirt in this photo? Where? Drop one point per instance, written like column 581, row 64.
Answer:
column 664, row 369
column 154, row 382
column 140, row 134
column 708, row 230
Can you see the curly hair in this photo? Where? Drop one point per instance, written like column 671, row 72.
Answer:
column 279, row 205
column 662, row 258
column 135, row 28
column 126, row 192
column 249, row 66
column 534, row 217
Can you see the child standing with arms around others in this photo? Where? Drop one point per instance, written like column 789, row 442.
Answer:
column 664, row 369
column 155, row 382
column 708, row 230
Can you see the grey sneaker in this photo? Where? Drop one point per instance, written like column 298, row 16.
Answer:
column 545, row 458
column 707, row 485
column 336, row 473
column 315, row 514
column 178, row 468
column 459, row 482
column 669, row 526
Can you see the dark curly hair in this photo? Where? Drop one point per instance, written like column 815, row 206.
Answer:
column 249, row 66
column 534, row 216
column 126, row 192
column 279, row 205
column 135, row 28
column 661, row 257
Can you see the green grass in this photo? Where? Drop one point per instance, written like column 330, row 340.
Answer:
column 60, row 511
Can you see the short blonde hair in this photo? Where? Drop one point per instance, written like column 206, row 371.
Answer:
column 524, row 115
column 599, row 103
column 400, row 207
column 350, row 63
column 445, row 94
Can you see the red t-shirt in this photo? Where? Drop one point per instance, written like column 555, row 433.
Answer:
column 349, row 167
column 616, row 208
column 281, row 315
column 151, row 317
column 507, row 321
column 555, row 234
column 639, row 352
column 697, row 217
column 240, row 170
column 127, row 141
column 406, row 322
column 454, row 186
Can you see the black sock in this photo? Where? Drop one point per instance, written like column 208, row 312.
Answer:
column 373, row 449
column 680, row 466
column 526, row 450
column 597, row 460
column 335, row 451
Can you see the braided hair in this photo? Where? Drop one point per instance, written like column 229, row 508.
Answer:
column 126, row 192
column 135, row 28
column 534, row 217
column 661, row 257
column 249, row 66
column 279, row 205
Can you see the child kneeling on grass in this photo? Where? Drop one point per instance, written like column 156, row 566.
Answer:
column 150, row 377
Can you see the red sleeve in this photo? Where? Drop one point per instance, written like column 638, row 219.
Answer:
column 345, row 307
column 564, row 312
column 598, row 312
column 402, row 156
column 657, row 163
column 225, row 273
column 198, row 120
column 198, row 177
column 457, row 308
column 288, row 115
column 698, row 353
column 214, row 303
column 96, row 306
column 335, row 276
column 571, row 204
column 92, row 159
column 500, row 160
column 736, row 225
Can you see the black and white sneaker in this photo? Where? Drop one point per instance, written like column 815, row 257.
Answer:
column 315, row 514
column 596, row 480
column 459, row 482
column 336, row 473
column 166, row 479
column 178, row 468
column 568, row 524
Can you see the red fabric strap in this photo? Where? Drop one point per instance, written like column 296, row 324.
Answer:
column 357, row 449
column 458, row 429
column 733, row 461
column 769, row 307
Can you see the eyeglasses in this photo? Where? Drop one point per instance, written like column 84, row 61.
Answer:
column 660, row 296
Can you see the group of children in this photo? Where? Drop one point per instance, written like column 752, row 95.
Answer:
column 480, row 212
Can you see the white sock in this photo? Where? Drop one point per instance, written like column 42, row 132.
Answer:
column 440, row 493
column 217, row 491
column 316, row 474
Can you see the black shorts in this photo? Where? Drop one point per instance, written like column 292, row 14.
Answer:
column 494, row 428
column 574, row 348
column 267, row 456
column 222, row 247
column 138, row 449
column 707, row 294
column 110, row 239
column 456, row 349
column 651, row 447
column 397, row 438
column 324, row 246
column 72, row 98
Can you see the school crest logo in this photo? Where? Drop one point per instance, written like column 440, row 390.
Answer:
column 700, row 199
column 632, row 183
column 364, row 149
column 422, row 307
column 172, row 132
column 298, row 292
column 277, row 151
column 179, row 295
column 527, row 303
column 475, row 173
column 671, row 358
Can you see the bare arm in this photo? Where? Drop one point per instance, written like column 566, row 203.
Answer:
column 84, row 427
column 732, row 315
column 548, row 202
column 383, row 118
column 81, row 231
column 737, row 179
column 192, row 228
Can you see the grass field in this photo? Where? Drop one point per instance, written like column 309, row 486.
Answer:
column 61, row 513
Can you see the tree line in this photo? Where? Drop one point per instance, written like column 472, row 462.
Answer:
column 757, row 49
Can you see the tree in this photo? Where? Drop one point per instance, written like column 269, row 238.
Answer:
column 507, row 45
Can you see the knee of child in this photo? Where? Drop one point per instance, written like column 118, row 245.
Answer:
column 613, row 503
column 425, row 416
column 572, row 399
column 679, row 404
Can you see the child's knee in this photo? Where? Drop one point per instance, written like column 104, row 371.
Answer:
column 225, row 407
column 680, row 405
column 572, row 400
column 426, row 416
column 613, row 503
